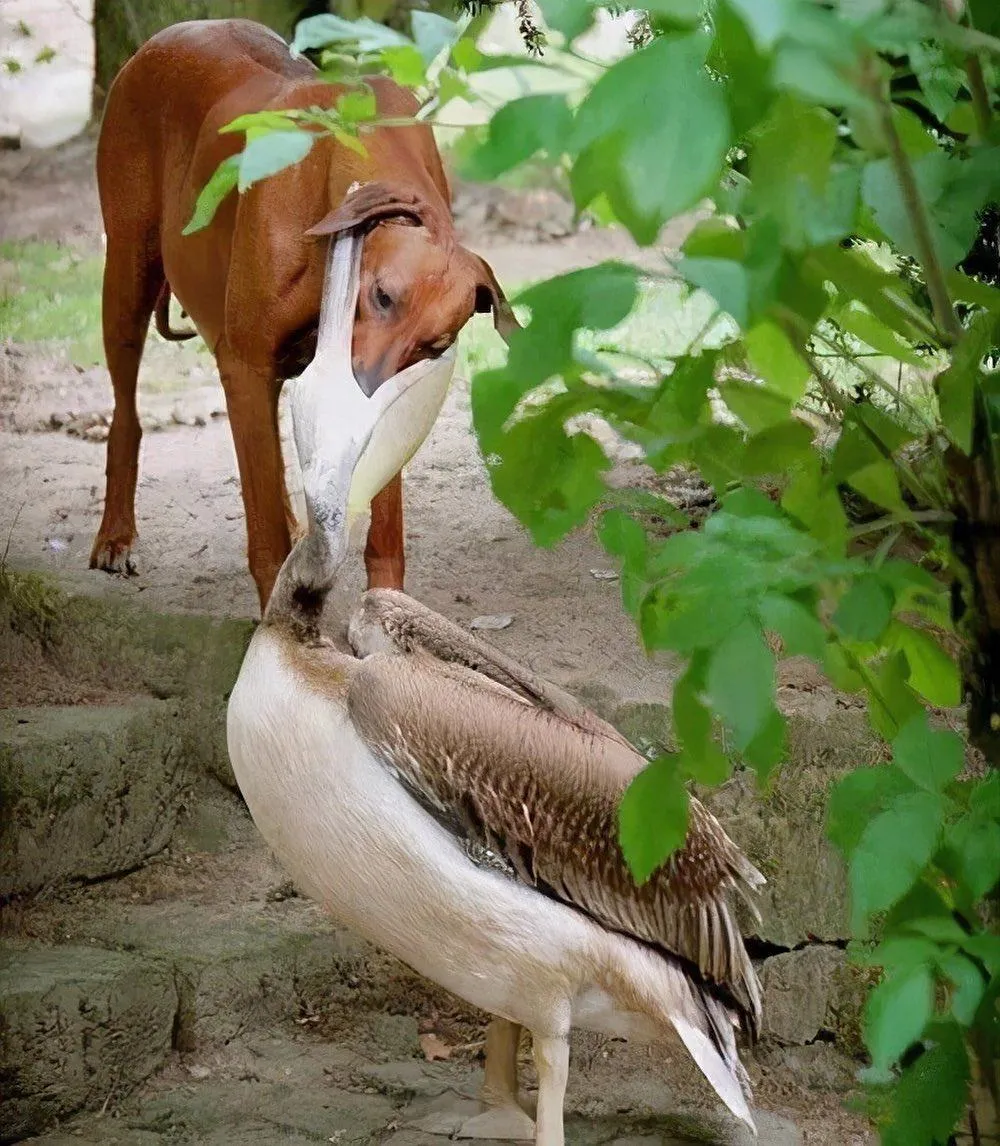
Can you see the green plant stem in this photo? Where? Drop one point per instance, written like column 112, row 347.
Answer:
column 837, row 400
column 980, row 95
column 920, row 516
column 695, row 345
column 944, row 312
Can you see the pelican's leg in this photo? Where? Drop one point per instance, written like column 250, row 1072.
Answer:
column 500, row 1085
column 503, row 1120
column 552, row 1062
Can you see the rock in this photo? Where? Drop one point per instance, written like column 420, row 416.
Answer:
column 77, row 1026
column 783, row 831
column 110, row 645
column 250, row 964
column 816, row 1067
column 492, row 621
column 410, row 1078
column 809, row 993
column 87, row 792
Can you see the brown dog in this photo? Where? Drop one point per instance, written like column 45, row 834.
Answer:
column 252, row 280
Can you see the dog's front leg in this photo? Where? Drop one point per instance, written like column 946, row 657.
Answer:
column 252, row 402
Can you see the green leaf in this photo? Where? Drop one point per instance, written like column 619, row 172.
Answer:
column 811, row 497
column 259, row 121
column 933, row 674
column 931, row 1094
column 554, row 489
column 986, row 948
column 768, row 748
column 859, row 462
column 842, row 669
column 519, row 130
column 432, row 33
column 268, row 154
column 969, row 987
column 595, row 298
column 776, row 360
column 793, row 179
column 801, row 632
column 223, row 180
column 367, row 36
column 668, row 151
column 897, row 1012
column 357, row 105
column 954, row 190
column 858, row 798
column 724, row 279
column 956, row 386
column 856, row 320
column 740, row 682
column 930, row 758
column 892, row 852
column 857, row 277
column 939, row 80
column 693, row 727
column 571, row 17
column 756, row 406
column 778, row 449
column 682, row 11
column 691, row 719
column 891, row 701
column 984, row 799
column 941, row 928
column 976, row 844
column 406, row 65
column 864, row 610
column 653, row 817
column 622, row 536
column 879, row 483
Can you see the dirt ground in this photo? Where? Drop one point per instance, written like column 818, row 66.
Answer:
column 460, row 542
column 466, row 557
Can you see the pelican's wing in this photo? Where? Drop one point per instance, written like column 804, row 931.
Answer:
column 543, row 793
column 390, row 621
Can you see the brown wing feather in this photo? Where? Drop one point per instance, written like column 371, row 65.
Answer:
column 412, row 627
column 545, row 795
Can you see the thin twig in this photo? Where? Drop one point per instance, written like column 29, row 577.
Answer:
column 916, row 211
column 879, row 383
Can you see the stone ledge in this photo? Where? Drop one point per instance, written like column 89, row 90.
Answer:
column 87, row 792
column 77, row 1027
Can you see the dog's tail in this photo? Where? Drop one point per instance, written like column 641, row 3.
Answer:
column 163, row 318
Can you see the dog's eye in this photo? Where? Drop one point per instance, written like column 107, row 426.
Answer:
column 383, row 300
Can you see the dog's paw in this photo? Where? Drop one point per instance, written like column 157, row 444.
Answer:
column 113, row 556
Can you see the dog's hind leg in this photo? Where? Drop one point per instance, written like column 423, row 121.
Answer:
column 133, row 278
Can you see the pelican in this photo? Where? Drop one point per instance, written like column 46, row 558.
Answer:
column 456, row 810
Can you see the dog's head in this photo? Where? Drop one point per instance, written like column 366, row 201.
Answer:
column 418, row 288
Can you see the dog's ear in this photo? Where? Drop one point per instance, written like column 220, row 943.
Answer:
column 490, row 297
column 368, row 204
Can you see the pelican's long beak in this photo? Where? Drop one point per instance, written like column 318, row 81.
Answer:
column 350, row 445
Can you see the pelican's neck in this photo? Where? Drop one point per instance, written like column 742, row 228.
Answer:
column 309, row 573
